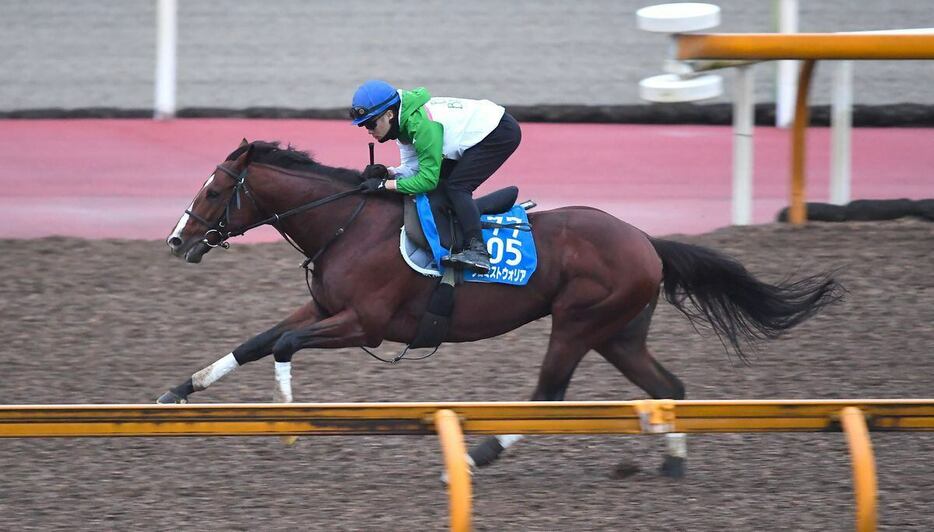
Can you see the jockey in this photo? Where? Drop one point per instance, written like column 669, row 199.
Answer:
column 452, row 143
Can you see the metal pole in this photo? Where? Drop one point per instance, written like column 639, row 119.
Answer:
column 787, row 71
column 166, row 30
column 841, row 133
column 743, row 122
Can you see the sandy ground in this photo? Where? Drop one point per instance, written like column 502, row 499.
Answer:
column 119, row 321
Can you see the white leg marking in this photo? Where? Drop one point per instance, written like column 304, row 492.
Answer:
column 507, row 440
column 214, row 372
column 677, row 444
column 283, row 393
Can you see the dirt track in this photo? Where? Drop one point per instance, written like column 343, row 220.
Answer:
column 120, row 321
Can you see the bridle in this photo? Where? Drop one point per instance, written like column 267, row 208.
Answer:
column 221, row 227
column 223, row 222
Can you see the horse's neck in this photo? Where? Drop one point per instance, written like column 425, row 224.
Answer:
column 315, row 228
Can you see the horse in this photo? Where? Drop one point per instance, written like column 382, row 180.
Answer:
column 598, row 277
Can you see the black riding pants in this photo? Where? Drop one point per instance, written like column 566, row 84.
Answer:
column 460, row 178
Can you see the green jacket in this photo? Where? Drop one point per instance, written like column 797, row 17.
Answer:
column 426, row 136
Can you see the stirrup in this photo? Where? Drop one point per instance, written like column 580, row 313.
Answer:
column 475, row 267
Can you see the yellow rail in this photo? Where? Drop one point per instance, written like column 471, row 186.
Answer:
column 769, row 46
column 451, row 420
column 588, row 417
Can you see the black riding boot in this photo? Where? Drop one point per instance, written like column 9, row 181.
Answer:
column 474, row 257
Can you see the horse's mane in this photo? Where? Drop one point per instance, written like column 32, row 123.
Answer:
column 291, row 159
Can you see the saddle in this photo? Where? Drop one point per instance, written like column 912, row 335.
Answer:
column 433, row 326
column 449, row 231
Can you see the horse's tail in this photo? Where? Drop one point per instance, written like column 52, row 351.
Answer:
column 707, row 285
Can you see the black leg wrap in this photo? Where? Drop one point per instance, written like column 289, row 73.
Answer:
column 673, row 466
column 434, row 325
column 185, row 389
column 257, row 347
column 486, row 453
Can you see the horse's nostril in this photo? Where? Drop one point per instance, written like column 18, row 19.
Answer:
column 174, row 242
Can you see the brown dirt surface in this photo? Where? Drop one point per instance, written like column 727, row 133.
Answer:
column 120, row 321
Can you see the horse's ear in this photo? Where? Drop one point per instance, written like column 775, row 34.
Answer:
column 244, row 142
column 244, row 159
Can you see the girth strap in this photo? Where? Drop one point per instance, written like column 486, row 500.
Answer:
column 433, row 328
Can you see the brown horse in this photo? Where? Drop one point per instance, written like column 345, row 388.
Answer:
column 598, row 277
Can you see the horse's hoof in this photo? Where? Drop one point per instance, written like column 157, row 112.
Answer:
column 624, row 470
column 171, row 398
column 673, row 467
column 288, row 441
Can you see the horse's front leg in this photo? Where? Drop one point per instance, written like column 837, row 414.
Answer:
column 255, row 348
column 340, row 330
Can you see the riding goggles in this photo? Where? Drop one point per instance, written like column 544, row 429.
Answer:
column 370, row 124
column 359, row 112
column 366, row 116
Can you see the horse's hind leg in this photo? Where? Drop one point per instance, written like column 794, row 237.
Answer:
column 586, row 313
column 630, row 354
column 566, row 348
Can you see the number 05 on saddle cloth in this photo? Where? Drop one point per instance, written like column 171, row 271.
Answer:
column 508, row 238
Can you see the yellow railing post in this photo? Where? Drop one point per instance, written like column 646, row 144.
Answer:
column 808, row 47
column 452, row 444
column 864, row 467
column 797, row 211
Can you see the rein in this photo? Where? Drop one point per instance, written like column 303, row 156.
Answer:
column 241, row 185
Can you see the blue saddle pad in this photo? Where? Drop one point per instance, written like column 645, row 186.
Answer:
column 512, row 250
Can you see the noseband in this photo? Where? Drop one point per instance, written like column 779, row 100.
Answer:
column 223, row 222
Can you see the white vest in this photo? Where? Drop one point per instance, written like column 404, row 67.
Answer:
column 465, row 122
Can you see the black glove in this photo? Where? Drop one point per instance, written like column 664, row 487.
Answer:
column 377, row 171
column 373, row 185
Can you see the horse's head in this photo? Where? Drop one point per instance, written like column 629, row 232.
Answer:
column 217, row 209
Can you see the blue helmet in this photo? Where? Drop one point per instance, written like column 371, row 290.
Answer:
column 371, row 99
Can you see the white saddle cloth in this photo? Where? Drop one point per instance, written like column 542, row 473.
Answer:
column 420, row 260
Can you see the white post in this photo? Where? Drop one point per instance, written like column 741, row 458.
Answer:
column 166, row 29
column 743, row 122
column 787, row 71
column 841, row 131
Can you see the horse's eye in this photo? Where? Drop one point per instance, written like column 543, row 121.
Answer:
column 212, row 194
